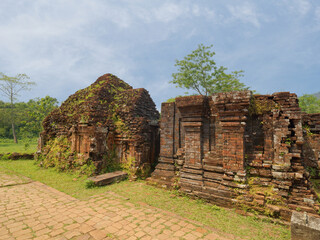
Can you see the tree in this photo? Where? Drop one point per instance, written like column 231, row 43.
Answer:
column 198, row 71
column 11, row 87
column 309, row 103
column 38, row 109
column 4, row 119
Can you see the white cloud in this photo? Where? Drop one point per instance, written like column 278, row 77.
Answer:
column 245, row 13
column 300, row 7
column 66, row 45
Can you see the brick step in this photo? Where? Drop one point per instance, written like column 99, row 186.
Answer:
column 165, row 166
column 168, row 183
column 160, row 173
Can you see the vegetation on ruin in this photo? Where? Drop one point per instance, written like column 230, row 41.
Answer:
column 138, row 193
column 112, row 163
column 255, row 191
column 171, row 100
column 259, row 107
column 110, row 103
column 199, row 72
column 97, row 103
column 57, row 154
column 316, row 184
column 307, row 131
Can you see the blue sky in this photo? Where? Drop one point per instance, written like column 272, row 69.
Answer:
column 66, row 45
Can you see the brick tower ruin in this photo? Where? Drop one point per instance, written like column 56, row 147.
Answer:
column 240, row 150
column 105, row 122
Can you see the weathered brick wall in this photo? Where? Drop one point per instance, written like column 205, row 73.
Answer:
column 236, row 149
column 165, row 171
column 311, row 146
column 105, row 119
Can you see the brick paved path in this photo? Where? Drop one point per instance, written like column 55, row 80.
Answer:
column 32, row 210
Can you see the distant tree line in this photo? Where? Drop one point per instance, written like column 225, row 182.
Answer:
column 28, row 117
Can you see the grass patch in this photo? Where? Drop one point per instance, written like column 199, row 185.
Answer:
column 138, row 192
column 23, row 146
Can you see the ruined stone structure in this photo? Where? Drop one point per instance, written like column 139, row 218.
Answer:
column 235, row 149
column 108, row 119
column 311, row 146
column 240, row 150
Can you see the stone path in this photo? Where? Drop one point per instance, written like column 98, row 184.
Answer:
column 32, row 210
column 8, row 180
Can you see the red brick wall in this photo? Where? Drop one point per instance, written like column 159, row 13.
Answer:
column 236, row 149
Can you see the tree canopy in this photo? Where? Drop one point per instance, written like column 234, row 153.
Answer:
column 199, row 72
column 28, row 118
column 309, row 103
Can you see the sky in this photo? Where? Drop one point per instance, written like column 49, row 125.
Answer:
column 65, row 45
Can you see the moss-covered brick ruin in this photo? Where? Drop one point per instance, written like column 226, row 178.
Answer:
column 101, row 127
column 241, row 150
column 236, row 149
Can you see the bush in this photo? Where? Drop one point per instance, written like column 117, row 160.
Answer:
column 90, row 184
column 57, row 154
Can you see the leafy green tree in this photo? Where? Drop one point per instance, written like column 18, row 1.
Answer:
column 20, row 114
column 309, row 103
column 11, row 87
column 37, row 110
column 4, row 119
column 198, row 71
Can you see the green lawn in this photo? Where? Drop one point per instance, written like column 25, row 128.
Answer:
column 139, row 192
column 23, row 146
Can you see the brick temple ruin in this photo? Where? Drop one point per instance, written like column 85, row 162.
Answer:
column 241, row 150
column 108, row 119
column 234, row 149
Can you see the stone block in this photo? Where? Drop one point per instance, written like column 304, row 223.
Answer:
column 108, row 178
column 304, row 226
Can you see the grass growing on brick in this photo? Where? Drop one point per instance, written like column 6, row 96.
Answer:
column 8, row 146
column 221, row 219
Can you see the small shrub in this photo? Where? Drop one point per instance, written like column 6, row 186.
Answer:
column 87, row 169
column 307, row 131
column 90, row 184
column 215, row 208
column 130, row 167
column 5, row 157
column 144, row 171
column 111, row 162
